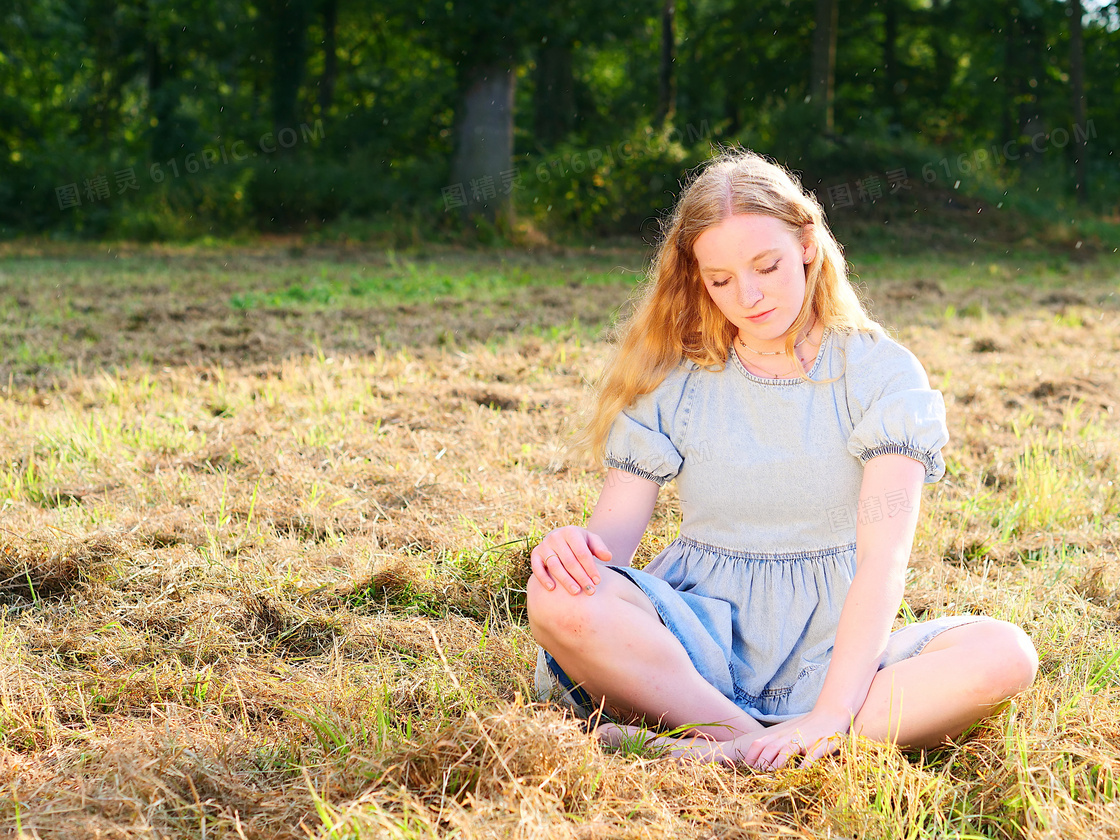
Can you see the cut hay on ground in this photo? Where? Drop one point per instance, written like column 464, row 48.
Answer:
column 284, row 599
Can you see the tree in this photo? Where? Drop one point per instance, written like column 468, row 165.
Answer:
column 891, row 79
column 484, row 39
column 290, row 20
column 330, row 55
column 666, row 77
column 1077, row 94
column 569, row 35
column 938, row 30
column 823, row 82
column 484, row 149
column 554, row 99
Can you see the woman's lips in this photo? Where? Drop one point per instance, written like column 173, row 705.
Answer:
column 759, row 316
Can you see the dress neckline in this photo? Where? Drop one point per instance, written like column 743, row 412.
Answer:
column 826, row 338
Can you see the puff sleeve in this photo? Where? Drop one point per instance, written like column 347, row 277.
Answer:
column 893, row 409
column 641, row 440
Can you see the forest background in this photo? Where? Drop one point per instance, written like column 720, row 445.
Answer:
column 344, row 118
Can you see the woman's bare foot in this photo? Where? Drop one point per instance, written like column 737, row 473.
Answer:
column 692, row 747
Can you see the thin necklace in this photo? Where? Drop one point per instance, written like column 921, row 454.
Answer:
column 772, row 352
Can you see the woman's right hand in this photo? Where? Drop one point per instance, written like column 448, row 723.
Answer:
column 567, row 557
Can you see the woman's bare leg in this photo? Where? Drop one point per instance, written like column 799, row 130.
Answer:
column 614, row 646
column 962, row 676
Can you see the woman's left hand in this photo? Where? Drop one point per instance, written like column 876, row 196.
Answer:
column 812, row 736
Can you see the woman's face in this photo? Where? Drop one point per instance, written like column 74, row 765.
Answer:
column 754, row 269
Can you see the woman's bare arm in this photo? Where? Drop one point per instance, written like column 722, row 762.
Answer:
column 892, row 484
column 622, row 513
column 892, row 487
column 568, row 556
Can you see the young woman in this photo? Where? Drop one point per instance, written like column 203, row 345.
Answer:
column 799, row 436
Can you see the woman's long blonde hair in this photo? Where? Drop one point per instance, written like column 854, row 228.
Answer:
column 675, row 318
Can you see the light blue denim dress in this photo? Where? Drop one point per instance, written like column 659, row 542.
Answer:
column 769, row 473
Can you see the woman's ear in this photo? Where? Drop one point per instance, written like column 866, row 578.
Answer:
column 809, row 243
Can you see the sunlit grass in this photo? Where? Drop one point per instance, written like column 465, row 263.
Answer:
column 282, row 595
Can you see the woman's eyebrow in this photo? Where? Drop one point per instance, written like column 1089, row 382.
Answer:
column 757, row 256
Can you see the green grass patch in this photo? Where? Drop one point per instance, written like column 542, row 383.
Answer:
column 406, row 282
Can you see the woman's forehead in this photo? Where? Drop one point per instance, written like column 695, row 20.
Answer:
column 743, row 236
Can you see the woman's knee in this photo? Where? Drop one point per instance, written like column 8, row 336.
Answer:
column 1010, row 656
column 1022, row 657
column 558, row 616
column 536, row 602
column 554, row 613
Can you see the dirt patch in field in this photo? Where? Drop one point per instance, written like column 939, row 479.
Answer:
column 169, row 307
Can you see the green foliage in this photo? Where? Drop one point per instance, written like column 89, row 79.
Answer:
column 90, row 90
column 613, row 188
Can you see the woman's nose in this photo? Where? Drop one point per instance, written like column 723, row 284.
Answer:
column 749, row 293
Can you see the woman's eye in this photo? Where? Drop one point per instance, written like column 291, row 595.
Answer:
column 769, row 270
column 719, row 283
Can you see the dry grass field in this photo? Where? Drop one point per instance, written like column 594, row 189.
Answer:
column 265, row 515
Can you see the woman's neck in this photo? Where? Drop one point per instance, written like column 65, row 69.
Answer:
column 777, row 364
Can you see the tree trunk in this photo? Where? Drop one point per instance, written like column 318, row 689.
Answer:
column 940, row 24
column 330, row 55
column 1010, row 74
column 554, row 112
column 1077, row 91
column 890, row 61
column 162, row 102
column 822, row 84
column 1032, row 123
column 291, row 18
column 666, row 77
column 482, row 171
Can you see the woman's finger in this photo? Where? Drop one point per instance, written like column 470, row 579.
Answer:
column 781, row 749
column 553, row 570
column 766, row 757
column 540, row 569
column 797, row 743
column 598, row 547
column 560, row 565
column 582, row 554
column 774, row 750
column 767, row 761
column 823, row 747
column 577, row 571
column 783, row 755
column 811, row 757
column 766, row 747
column 752, row 753
column 567, row 557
